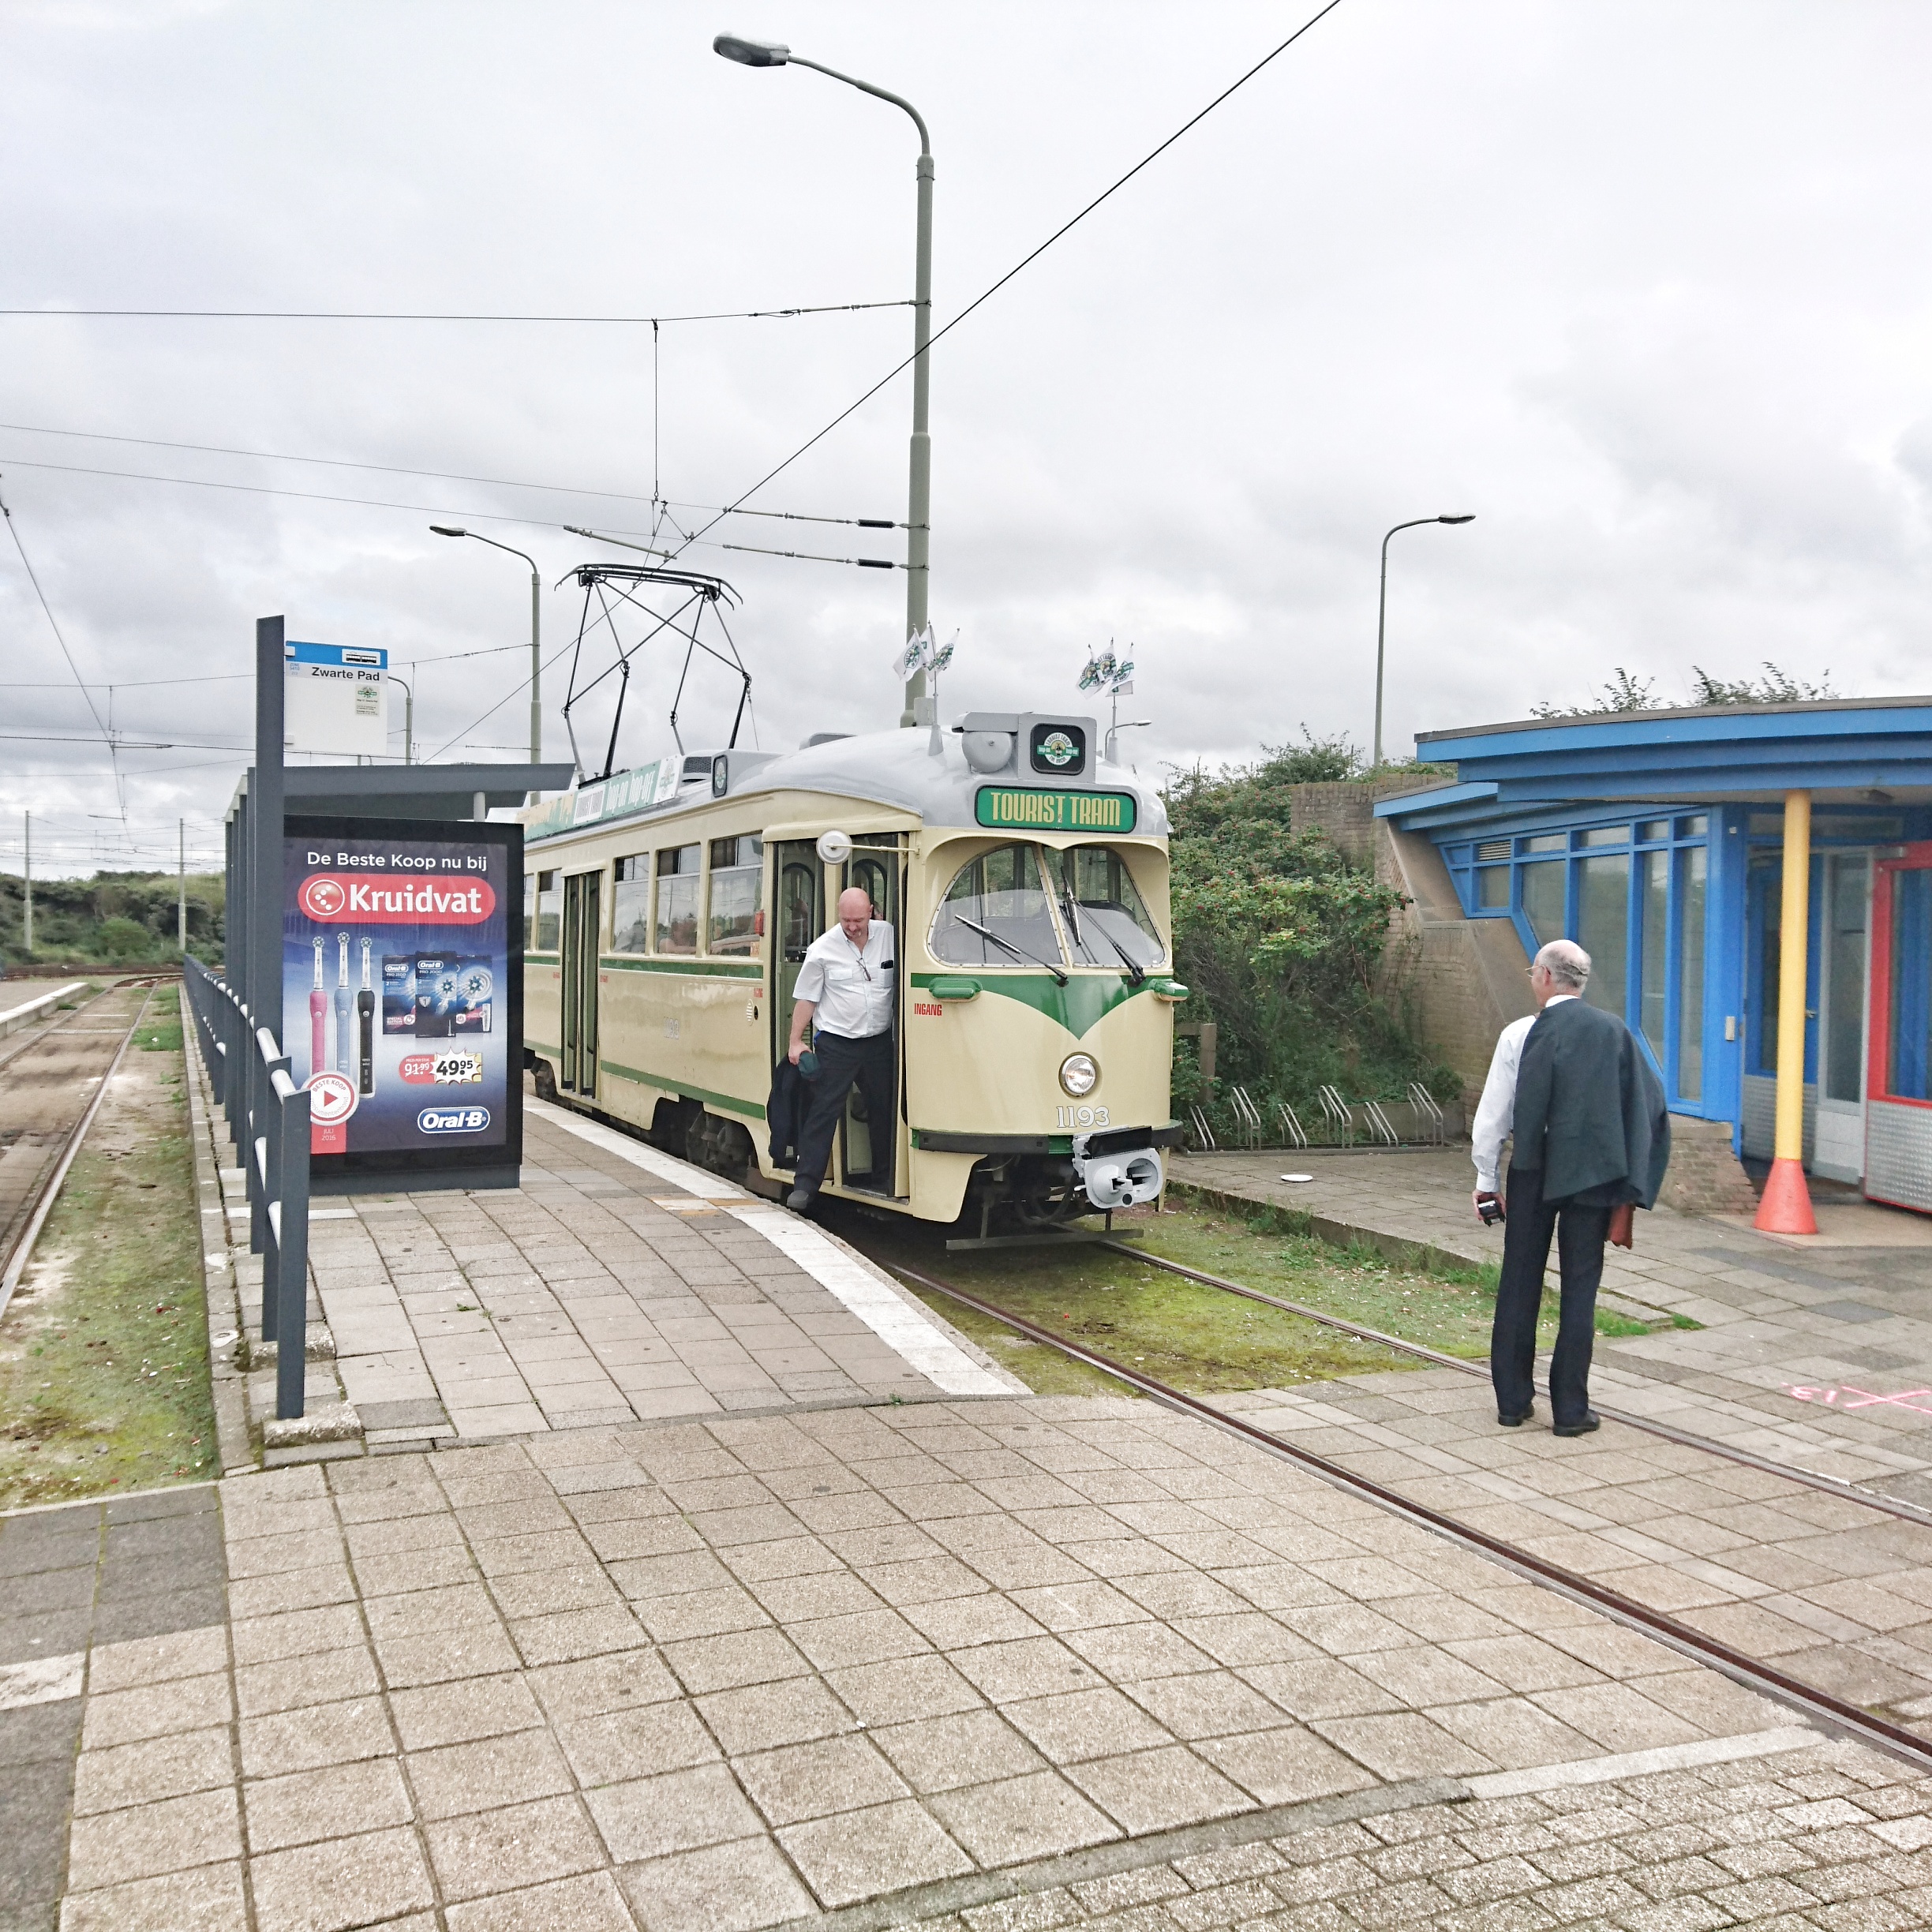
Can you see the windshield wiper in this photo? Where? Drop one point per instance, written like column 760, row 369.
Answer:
column 1006, row 945
column 1069, row 905
column 1136, row 973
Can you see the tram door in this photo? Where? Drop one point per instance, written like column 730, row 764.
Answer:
column 871, row 1148
column 582, row 936
column 1898, row 1107
column 797, row 918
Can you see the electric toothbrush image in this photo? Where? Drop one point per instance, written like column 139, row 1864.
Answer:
column 366, row 1027
column 342, row 998
column 318, row 1019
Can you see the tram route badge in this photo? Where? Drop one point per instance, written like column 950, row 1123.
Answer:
column 1057, row 749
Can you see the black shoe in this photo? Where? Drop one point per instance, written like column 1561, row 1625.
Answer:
column 1584, row 1424
column 800, row 1200
column 1514, row 1421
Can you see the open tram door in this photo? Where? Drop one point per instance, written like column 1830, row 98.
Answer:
column 1898, row 1105
column 873, row 1158
column 582, row 940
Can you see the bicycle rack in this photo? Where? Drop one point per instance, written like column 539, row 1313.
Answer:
column 1336, row 1110
column 1379, row 1124
column 1204, row 1134
column 1426, row 1110
column 1247, row 1116
column 1293, row 1133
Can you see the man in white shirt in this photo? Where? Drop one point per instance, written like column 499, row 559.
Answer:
column 1561, row 972
column 844, row 992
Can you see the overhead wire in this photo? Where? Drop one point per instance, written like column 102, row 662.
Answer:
column 1027, row 261
column 383, row 315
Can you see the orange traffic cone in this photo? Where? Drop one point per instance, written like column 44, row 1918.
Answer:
column 1786, row 1208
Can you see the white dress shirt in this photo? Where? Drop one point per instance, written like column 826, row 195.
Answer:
column 1496, row 1112
column 852, row 986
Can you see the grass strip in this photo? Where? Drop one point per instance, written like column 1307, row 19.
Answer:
column 104, row 1383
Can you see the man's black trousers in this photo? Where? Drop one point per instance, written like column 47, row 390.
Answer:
column 1580, row 1233
column 840, row 1062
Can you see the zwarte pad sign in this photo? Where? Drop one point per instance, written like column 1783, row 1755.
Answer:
column 399, row 988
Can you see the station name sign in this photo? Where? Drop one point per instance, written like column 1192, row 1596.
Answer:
column 1006, row 808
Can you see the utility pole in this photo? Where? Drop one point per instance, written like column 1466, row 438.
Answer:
column 181, row 874
column 27, row 881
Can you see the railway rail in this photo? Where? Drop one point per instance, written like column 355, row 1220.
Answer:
column 1809, row 1699
column 52, row 1082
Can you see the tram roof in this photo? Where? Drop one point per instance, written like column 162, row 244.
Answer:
column 897, row 769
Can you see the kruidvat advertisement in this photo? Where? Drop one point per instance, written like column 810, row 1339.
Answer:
column 402, row 995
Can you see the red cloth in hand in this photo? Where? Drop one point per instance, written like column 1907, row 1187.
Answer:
column 1622, row 1225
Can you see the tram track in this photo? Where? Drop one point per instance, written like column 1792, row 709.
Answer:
column 1808, row 1699
column 51, row 1087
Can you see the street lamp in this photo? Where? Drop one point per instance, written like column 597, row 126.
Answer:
column 1382, row 617
column 409, row 717
column 445, row 529
column 918, row 495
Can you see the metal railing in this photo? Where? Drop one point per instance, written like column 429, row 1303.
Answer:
column 267, row 1117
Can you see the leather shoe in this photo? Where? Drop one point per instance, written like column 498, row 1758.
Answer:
column 801, row 1198
column 1514, row 1421
column 1589, row 1419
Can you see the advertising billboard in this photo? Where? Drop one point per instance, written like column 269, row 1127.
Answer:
column 402, row 998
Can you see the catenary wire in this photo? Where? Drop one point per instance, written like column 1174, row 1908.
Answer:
column 1025, row 261
column 379, row 315
column 442, row 476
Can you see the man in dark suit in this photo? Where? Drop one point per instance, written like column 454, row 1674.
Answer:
column 1592, row 1140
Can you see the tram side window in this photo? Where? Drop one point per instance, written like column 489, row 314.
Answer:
column 1107, row 922
column 630, row 905
column 797, row 906
column 996, row 912
column 737, row 878
column 678, row 882
column 543, row 911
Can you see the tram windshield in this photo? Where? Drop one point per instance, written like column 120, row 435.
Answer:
column 1107, row 922
column 999, row 911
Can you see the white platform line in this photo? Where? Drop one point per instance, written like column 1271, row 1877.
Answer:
column 901, row 1323
column 1638, row 1763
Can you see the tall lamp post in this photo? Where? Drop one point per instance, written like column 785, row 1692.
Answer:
column 918, row 495
column 445, row 529
column 1382, row 614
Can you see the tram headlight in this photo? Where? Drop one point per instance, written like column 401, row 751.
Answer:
column 1080, row 1074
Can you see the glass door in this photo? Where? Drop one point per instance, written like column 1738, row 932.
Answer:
column 796, row 918
column 878, row 867
column 582, row 937
column 1898, row 1109
column 1843, row 969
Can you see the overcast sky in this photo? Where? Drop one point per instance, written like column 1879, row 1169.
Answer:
column 1645, row 286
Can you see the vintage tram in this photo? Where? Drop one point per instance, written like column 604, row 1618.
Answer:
column 667, row 911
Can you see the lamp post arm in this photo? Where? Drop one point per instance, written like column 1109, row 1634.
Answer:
column 1381, row 629
column 536, row 676
column 866, row 87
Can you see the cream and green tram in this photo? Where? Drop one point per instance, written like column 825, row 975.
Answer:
column 667, row 913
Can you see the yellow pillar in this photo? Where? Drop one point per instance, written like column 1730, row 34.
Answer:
column 1786, row 1208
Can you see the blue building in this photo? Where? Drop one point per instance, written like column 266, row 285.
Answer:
column 1661, row 842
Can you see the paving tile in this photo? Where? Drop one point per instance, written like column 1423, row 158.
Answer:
column 676, row 1811
column 730, row 1888
column 163, row 1767
column 457, row 1712
column 341, row 1882
column 640, row 1742
column 1159, row 1789
column 808, row 1780
column 154, row 1710
column 860, row 1855
column 589, row 1903
column 335, row 1801
column 477, row 1776
column 1037, row 1815
column 763, row 1717
column 210, row 1898
column 145, row 1840
column 478, row 1853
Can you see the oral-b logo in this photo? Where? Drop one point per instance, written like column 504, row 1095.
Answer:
column 453, row 1120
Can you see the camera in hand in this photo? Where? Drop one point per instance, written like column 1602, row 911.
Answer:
column 1490, row 1207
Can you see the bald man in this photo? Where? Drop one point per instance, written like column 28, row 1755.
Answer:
column 1592, row 1135
column 845, row 994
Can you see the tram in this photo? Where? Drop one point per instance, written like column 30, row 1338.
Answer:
column 667, row 910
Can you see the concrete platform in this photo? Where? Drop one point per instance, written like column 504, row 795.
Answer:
column 992, row 1664
column 1822, row 1357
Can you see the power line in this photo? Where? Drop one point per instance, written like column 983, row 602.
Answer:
column 380, row 315
column 1027, row 261
column 443, row 476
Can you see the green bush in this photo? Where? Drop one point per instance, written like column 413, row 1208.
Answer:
column 1280, row 939
column 115, row 918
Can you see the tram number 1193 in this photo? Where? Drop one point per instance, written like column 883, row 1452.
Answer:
column 1083, row 1117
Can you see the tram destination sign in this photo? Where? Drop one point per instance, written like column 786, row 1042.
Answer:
column 1021, row 809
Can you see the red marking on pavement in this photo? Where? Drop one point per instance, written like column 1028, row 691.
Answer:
column 1919, row 1400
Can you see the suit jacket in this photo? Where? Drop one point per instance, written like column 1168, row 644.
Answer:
column 1590, row 1112
column 785, row 1111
